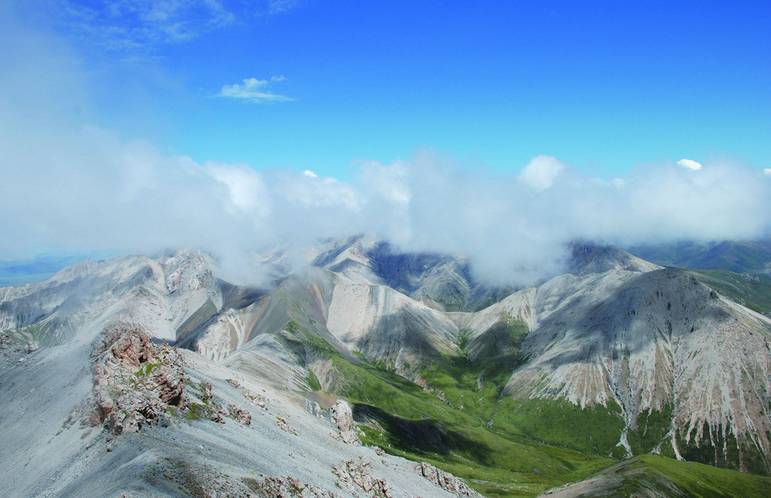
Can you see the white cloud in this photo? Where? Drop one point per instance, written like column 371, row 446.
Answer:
column 310, row 173
column 254, row 91
column 690, row 164
column 767, row 171
column 246, row 189
column 142, row 24
column 70, row 188
column 131, row 197
column 541, row 171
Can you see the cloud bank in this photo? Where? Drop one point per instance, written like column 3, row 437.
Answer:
column 67, row 186
column 87, row 190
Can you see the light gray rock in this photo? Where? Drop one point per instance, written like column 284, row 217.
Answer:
column 445, row 480
column 343, row 418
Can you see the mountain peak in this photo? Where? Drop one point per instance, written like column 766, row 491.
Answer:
column 589, row 257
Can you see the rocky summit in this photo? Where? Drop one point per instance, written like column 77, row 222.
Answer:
column 374, row 372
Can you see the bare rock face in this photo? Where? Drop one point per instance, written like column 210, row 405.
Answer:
column 343, row 417
column 445, row 480
column 134, row 381
column 353, row 474
column 656, row 341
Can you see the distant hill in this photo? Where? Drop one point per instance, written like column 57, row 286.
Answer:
column 752, row 290
column 735, row 256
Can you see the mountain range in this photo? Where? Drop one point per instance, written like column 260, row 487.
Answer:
column 374, row 372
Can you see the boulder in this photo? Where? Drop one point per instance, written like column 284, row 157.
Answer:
column 343, row 418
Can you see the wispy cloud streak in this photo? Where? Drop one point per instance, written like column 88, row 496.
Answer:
column 142, row 24
column 254, row 91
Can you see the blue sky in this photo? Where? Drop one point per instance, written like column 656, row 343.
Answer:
column 604, row 86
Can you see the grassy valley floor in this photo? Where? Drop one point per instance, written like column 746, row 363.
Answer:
column 502, row 447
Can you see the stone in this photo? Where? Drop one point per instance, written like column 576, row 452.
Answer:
column 286, row 487
column 240, row 415
column 343, row 419
column 352, row 474
column 445, row 480
column 282, row 424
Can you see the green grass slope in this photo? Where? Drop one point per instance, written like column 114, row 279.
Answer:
column 657, row 476
column 750, row 289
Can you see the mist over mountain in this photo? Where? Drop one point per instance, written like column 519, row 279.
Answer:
column 131, row 198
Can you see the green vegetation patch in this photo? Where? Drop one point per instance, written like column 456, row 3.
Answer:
column 197, row 411
column 724, row 450
column 753, row 290
column 313, row 381
column 595, row 430
column 146, row 369
column 673, row 478
column 652, row 429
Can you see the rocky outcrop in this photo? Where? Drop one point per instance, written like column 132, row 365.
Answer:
column 355, row 476
column 445, row 480
column 257, row 399
column 202, row 404
column 240, row 415
column 134, row 382
column 587, row 257
column 286, row 487
column 283, row 424
column 343, row 418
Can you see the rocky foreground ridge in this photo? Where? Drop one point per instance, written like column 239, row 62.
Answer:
column 129, row 415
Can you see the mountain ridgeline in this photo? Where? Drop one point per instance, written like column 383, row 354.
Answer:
column 619, row 369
